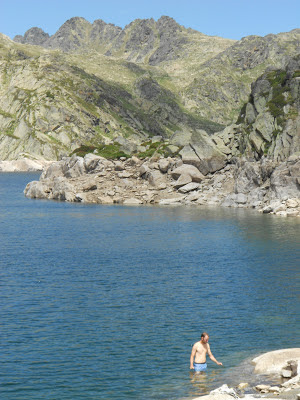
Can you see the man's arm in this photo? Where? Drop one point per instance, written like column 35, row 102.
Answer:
column 192, row 356
column 211, row 356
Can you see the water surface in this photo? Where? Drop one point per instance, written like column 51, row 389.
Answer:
column 104, row 302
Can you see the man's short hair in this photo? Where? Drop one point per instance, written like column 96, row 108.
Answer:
column 203, row 334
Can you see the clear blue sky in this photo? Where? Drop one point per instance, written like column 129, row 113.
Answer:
column 226, row 18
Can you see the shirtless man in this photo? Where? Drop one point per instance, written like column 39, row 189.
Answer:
column 198, row 355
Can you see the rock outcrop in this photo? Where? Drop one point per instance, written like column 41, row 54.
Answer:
column 274, row 361
column 263, row 185
column 270, row 121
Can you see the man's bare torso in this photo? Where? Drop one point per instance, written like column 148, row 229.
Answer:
column 201, row 351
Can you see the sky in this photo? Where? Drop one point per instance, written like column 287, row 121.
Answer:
column 231, row 19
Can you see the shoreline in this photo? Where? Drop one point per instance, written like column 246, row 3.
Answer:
column 260, row 185
column 280, row 366
column 24, row 165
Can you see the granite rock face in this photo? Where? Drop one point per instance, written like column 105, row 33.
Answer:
column 270, row 121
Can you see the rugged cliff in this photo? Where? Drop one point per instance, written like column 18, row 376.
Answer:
column 269, row 123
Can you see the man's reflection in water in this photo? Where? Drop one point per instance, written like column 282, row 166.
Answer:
column 202, row 382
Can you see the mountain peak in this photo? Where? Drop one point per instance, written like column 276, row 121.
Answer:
column 34, row 36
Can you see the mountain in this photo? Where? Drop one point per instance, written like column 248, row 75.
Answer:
column 94, row 83
column 142, row 41
column 50, row 105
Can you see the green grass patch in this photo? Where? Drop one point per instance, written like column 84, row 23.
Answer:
column 110, row 152
column 277, row 77
column 83, row 150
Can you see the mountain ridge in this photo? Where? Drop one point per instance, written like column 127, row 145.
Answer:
column 99, row 82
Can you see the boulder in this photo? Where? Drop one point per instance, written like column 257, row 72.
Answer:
column 119, row 166
column 36, row 190
column 143, row 169
column 286, row 373
column 274, row 389
column 243, row 385
column 188, row 187
column 131, row 162
column 284, row 184
column 241, row 198
column 183, row 180
column 54, row 170
column 89, row 186
column 63, row 190
column 267, row 209
column 215, row 396
column 273, row 361
column 262, row 387
column 264, row 124
column 91, row 161
column 188, row 169
column 126, row 145
column 199, row 150
column 74, row 167
column 132, row 202
column 224, row 389
column 163, row 165
column 171, row 201
column 171, row 150
column 292, row 203
column 124, row 174
column 155, row 177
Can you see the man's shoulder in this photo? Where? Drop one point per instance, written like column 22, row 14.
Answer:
column 197, row 344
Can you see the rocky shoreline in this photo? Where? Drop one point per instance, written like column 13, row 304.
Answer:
column 264, row 185
column 284, row 365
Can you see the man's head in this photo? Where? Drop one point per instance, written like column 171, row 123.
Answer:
column 204, row 337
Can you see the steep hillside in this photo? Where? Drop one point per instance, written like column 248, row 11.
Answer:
column 50, row 105
column 223, row 83
column 212, row 75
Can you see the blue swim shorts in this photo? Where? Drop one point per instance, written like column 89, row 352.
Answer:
column 200, row 367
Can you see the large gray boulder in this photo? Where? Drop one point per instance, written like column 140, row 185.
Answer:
column 36, row 190
column 187, row 170
column 199, row 150
column 285, row 180
column 63, row 190
column 74, row 167
column 273, row 361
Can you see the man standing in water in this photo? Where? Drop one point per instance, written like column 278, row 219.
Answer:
column 198, row 355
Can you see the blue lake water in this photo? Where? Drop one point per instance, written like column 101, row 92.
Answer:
column 104, row 302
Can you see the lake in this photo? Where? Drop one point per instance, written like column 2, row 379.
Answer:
column 105, row 302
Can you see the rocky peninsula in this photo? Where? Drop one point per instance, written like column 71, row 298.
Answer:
column 261, row 185
column 282, row 366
